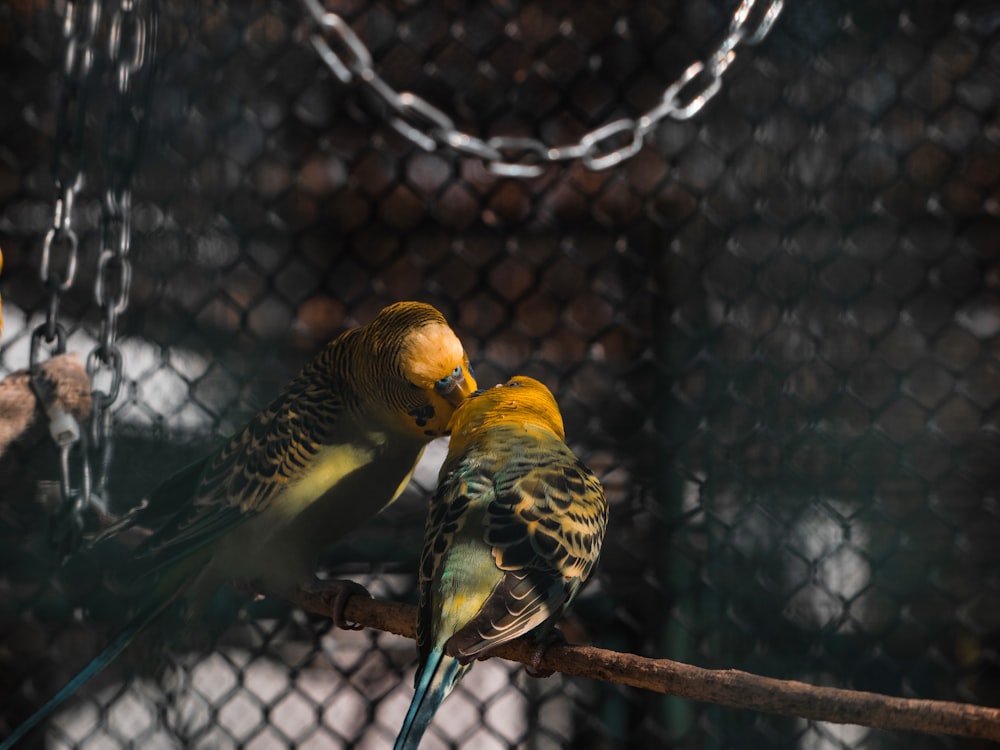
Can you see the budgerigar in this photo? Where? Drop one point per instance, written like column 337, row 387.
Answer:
column 514, row 530
column 337, row 446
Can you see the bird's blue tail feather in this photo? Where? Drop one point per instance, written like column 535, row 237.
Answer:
column 438, row 678
column 108, row 654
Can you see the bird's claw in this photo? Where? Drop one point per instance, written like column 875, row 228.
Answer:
column 335, row 595
column 553, row 638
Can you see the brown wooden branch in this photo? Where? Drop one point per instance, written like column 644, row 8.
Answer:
column 726, row 687
column 22, row 417
column 24, row 426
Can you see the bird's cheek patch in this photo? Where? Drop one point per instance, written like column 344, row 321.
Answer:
column 422, row 414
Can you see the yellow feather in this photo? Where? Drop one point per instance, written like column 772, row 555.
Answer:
column 465, row 583
column 334, row 448
column 513, row 531
column 522, row 402
column 329, row 467
column 431, row 353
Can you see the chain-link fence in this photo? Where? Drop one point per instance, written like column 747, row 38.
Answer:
column 773, row 332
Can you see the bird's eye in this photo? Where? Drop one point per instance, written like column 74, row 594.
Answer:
column 454, row 374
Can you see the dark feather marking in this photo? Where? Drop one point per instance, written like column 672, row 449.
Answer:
column 544, row 558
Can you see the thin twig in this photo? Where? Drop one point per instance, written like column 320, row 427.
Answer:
column 726, row 687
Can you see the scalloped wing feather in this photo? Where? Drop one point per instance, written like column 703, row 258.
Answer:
column 545, row 516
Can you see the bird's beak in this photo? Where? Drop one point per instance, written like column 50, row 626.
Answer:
column 463, row 386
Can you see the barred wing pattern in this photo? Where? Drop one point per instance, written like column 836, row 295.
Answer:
column 253, row 467
column 545, row 517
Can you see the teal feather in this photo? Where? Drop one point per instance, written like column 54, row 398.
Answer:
column 513, row 531
column 437, row 679
column 337, row 446
column 149, row 612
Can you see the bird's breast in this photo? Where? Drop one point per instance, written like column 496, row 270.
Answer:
column 332, row 466
column 343, row 487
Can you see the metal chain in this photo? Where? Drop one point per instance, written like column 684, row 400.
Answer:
column 343, row 52
column 60, row 247
column 131, row 41
column 60, row 251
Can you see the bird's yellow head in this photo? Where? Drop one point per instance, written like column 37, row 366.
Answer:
column 520, row 401
column 431, row 373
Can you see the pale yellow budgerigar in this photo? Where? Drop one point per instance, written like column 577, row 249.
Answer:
column 514, row 530
column 337, row 446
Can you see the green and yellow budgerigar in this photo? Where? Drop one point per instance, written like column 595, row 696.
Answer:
column 514, row 530
column 337, row 446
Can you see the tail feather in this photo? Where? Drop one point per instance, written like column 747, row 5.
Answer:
column 437, row 679
column 108, row 654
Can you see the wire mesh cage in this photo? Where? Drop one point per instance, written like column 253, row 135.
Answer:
column 772, row 331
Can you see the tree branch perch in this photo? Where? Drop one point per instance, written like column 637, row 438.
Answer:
column 726, row 687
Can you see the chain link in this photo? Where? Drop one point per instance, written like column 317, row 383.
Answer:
column 131, row 42
column 428, row 127
column 66, row 434
column 61, row 244
column 131, row 34
column 60, row 256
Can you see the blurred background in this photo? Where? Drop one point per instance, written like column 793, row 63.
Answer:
column 774, row 333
